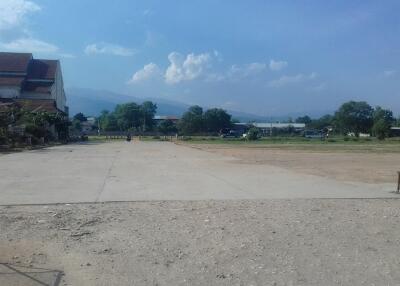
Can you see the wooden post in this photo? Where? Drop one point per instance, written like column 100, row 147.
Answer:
column 398, row 183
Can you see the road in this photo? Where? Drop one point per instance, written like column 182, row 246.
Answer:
column 142, row 171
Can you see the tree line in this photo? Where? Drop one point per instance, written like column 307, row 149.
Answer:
column 351, row 117
column 355, row 117
column 133, row 117
column 129, row 117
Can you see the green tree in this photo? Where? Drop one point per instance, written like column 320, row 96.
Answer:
column 354, row 117
column 321, row 123
column 383, row 120
column 8, row 116
column 76, row 125
column 148, row 110
column 381, row 129
column 167, row 127
column 192, row 121
column 80, row 117
column 304, row 119
column 111, row 123
column 101, row 120
column 107, row 121
column 128, row 116
column 385, row 114
column 253, row 134
column 216, row 119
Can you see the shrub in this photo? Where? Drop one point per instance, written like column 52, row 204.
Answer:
column 253, row 134
column 36, row 131
column 381, row 129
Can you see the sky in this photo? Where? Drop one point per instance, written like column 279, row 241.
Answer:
column 264, row 57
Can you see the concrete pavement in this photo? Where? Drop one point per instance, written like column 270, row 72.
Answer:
column 122, row 171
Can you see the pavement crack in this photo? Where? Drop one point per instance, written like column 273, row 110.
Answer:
column 106, row 178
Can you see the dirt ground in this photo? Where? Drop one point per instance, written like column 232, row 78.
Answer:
column 229, row 241
column 271, row 242
column 367, row 167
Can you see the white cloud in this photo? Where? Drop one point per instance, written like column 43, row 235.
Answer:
column 238, row 72
column 217, row 55
column 287, row 80
column 389, row 73
column 15, row 32
column 12, row 12
column 254, row 68
column 185, row 69
column 29, row 45
column 319, row 87
column 247, row 70
column 277, row 65
column 215, row 77
column 107, row 48
column 147, row 72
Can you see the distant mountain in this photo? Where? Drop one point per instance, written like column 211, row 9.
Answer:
column 91, row 102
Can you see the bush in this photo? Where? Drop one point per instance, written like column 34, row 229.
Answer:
column 346, row 139
column 36, row 131
column 253, row 134
column 381, row 129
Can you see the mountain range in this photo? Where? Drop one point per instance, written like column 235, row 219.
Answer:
column 91, row 102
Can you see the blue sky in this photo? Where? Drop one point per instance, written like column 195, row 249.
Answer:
column 265, row 57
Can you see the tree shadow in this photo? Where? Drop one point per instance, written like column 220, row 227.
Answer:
column 11, row 274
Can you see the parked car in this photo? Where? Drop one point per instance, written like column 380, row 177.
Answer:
column 314, row 134
column 230, row 134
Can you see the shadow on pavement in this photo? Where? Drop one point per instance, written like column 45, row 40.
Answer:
column 13, row 275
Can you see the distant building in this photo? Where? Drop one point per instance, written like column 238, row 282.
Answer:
column 89, row 125
column 160, row 118
column 267, row 128
column 35, row 84
column 395, row 131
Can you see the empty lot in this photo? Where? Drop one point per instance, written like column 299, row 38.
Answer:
column 353, row 163
column 156, row 213
column 121, row 171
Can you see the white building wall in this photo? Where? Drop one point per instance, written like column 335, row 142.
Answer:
column 57, row 91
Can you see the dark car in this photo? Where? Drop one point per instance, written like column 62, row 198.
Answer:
column 230, row 134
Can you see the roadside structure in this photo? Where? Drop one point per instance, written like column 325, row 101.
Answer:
column 34, row 84
column 395, row 131
column 267, row 128
column 89, row 125
column 158, row 119
column 161, row 118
